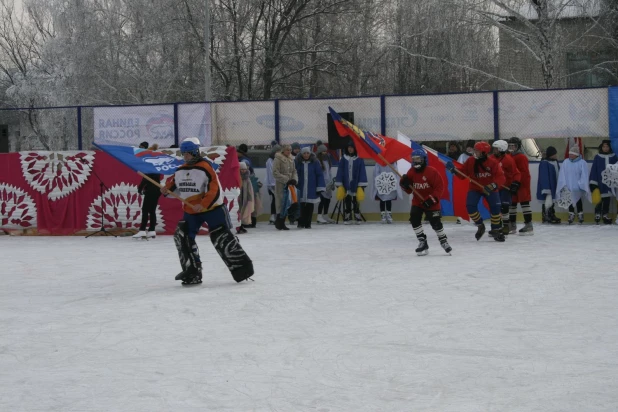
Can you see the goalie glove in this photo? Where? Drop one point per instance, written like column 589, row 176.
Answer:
column 360, row 194
column 514, row 187
column 429, row 202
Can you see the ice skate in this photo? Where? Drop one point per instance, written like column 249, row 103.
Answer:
column 151, row 234
column 607, row 220
column 512, row 228
column 597, row 218
column 346, row 219
column 422, row 248
column 272, row 220
column 527, row 230
column 580, row 218
column 506, row 229
column 447, row 248
column 389, row 218
column 357, row 219
column 497, row 234
column 571, row 218
column 321, row 220
column 142, row 234
column 328, row 219
column 480, row 231
column 190, row 276
column 383, row 217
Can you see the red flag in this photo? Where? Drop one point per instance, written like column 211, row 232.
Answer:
column 382, row 149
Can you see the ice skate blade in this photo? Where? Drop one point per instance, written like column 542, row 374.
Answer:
column 423, row 253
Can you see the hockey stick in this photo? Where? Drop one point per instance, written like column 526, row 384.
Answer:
column 154, row 182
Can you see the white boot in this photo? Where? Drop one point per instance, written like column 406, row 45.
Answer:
column 389, row 218
column 328, row 219
column 140, row 235
column 383, row 217
column 272, row 219
column 321, row 220
column 152, row 234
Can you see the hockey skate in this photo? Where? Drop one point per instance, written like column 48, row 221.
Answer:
column 357, row 219
column 512, row 228
column 142, row 234
column 506, row 229
column 571, row 218
column 480, row 231
column 383, row 217
column 527, row 230
column 346, row 219
column 497, row 234
column 447, row 248
column 552, row 217
column 389, row 218
column 597, row 218
column 422, row 248
column 607, row 220
column 190, row 276
column 580, row 218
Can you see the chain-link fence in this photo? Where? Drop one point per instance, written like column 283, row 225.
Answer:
column 544, row 116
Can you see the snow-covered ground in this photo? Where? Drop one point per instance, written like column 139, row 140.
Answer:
column 338, row 319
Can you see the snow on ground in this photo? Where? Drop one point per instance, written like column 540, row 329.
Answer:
column 338, row 319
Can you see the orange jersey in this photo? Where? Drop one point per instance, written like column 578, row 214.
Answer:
column 197, row 183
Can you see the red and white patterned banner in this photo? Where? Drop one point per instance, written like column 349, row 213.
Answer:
column 62, row 193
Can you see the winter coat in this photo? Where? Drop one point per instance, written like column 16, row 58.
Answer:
column 548, row 178
column 310, row 179
column 284, row 170
column 385, row 184
column 574, row 176
column 351, row 174
column 599, row 164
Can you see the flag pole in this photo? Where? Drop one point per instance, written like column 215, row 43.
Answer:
column 154, row 182
column 459, row 172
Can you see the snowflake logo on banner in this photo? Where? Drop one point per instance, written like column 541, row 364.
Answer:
column 121, row 207
column 17, row 208
column 385, row 183
column 609, row 176
column 56, row 174
column 564, row 198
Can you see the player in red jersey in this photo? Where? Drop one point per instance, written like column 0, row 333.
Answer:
column 512, row 179
column 428, row 184
column 487, row 172
column 521, row 193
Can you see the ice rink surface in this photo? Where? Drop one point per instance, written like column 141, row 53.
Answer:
column 339, row 318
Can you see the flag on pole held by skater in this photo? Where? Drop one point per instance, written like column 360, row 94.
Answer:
column 143, row 160
column 382, row 149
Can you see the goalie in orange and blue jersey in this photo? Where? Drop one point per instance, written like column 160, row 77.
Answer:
column 197, row 183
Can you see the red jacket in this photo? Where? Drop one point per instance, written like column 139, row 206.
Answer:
column 427, row 182
column 489, row 172
column 523, row 194
column 511, row 172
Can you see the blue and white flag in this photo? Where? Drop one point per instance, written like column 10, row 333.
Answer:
column 143, row 160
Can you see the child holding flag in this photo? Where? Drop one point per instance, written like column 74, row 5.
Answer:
column 428, row 185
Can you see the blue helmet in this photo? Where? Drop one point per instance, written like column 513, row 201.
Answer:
column 423, row 155
column 188, row 146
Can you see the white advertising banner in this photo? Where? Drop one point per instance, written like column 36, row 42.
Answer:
column 441, row 117
column 131, row 125
column 251, row 123
column 305, row 121
column 554, row 113
column 194, row 121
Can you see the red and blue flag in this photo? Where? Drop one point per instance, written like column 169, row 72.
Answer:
column 143, row 160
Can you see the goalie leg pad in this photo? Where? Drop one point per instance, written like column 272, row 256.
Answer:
column 232, row 254
column 188, row 253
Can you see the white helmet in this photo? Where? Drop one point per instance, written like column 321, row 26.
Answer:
column 501, row 145
column 193, row 140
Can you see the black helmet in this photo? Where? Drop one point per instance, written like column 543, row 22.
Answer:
column 516, row 141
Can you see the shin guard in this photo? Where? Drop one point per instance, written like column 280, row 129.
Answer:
column 232, row 254
column 188, row 253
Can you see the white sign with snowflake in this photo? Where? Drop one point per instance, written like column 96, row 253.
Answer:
column 56, row 174
column 564, row 198
column 386, row 182
column 609, row 176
